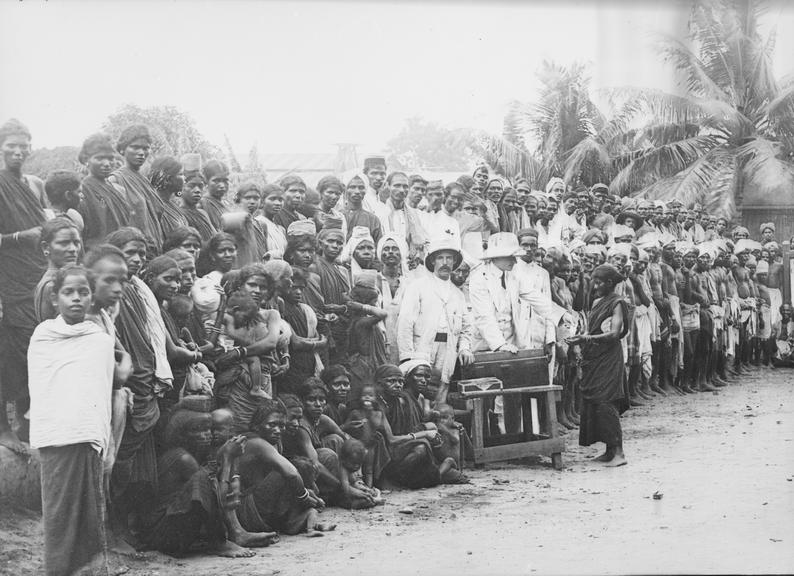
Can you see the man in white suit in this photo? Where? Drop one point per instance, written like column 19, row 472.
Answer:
column 434, row 321
column 496, row 294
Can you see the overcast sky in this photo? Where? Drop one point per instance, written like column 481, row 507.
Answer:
column 301, row 76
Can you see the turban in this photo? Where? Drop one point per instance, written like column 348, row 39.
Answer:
column 599, row 249
column 659, row 204
column 649, row 240
column 751, row 261
column 603, row 188
column 769, row 225
column 13, row 127
column 302, row 228
column 642, row 255
column 161, row 264
column 762, row 268
column 96, row 144
column 366, row 279
column 552, row 181
column 359, row 234
column 708, row 248
column 436, row 184
column 623, row 249
column 685, row 247
column 621, row 231
column 131, row 134
column 741, row 230
column 607, row 273
column 399, row 241
column 575, row 244
column 331, row 233
column 385, row 371
column 361, row 176
column 772, row 245
column 408, row 366
column 667, row 240
column 742, row 246
column 527, row 232
column 332, row 222
column 592, row 234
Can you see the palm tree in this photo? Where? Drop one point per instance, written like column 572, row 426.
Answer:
column 537, row 136
column 735, row 124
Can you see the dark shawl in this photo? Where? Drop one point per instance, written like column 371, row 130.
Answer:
column 334, row 281
column 133, row 333
column 21, row 266
column 302, row 362
column 146, row 205
column 603, row 373
column 200, row 220
column 284, row 218
column 171, row 218
column 104, row 208
column 363, row 218
column 215, row 209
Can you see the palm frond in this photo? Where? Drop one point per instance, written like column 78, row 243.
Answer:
column 661, row 162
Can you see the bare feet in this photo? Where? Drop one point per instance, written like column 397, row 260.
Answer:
column 618, row 460
column 254, row 539
column 13, row 443
column 258, row 393
column 319, row 529
column 605, row 457
column 229, row 549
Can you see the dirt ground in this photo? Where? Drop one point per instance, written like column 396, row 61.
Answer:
column 722, row 463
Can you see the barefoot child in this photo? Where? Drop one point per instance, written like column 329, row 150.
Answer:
column 356, row 494
column 71, row 365
column 448, row 451
column 244, row 323
column 366, row 423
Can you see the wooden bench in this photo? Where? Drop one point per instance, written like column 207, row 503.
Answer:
column 547, row 443
column 518, row 378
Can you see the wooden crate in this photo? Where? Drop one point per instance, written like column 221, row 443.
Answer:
column 524, row 369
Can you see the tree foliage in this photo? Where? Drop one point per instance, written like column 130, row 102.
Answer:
column 732, row 130
column 42, row 161
column 423, row 145
column 174, row 132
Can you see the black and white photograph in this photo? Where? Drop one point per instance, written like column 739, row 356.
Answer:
column 444, row 287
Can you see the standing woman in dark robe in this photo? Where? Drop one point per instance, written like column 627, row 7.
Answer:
column 104, row 208
column 216, row 174
column 168, row 179
column 603, row 386
column 192, row 191
column 22, row 265
column 145, row 205
column 335, row 286
column 306, row 343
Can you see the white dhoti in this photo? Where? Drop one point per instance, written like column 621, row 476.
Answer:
column 776, row 301
column 675, row 308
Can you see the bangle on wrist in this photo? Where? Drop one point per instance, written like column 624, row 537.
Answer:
column 16, row 237
column 305, row 494
column 413, row 436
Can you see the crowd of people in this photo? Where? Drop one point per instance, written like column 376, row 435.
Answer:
column 204, row 365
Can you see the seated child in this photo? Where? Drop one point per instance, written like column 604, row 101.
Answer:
column 244, row 324
column 366, row 423
column 448, row 451
column 356, row 495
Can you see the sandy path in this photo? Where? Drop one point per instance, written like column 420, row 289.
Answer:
column 724, row 464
